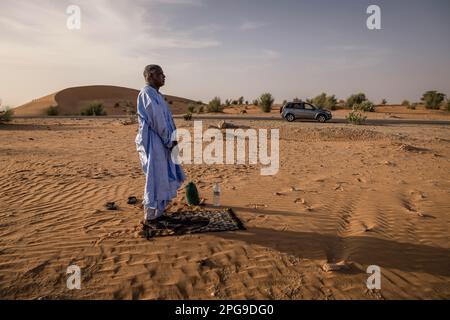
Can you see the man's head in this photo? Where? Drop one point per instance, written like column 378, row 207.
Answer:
column 154, row 76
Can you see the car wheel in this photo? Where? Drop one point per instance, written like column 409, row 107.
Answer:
column 321, row 118
column 290, row 117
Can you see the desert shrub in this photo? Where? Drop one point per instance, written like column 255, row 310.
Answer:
column 255, row 102
column 355, row 99
column 320, row 100
column 241, row 100
column 356, row 117
column 383, row 102
column 296, row 100
column 117, row 105
column 405, row 103
column 412, row 106
column 265, row 102
column 200, row 109
column 191, row 107
column 187, row 116
column 215, row 105
column 199, row 102
column 433, row 99
column 365, row 106
column 234, row 102
column 6, row 115
column 52, row 111
column 447, row 106
column 331, row 102
column 246, row 102
column 94, row 109
column 227, row 102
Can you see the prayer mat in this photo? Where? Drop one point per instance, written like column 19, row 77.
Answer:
column 188, row 222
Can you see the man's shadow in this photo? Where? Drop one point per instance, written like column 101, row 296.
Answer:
column 364, row 250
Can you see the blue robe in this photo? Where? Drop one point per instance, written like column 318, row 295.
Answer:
column 153, row 140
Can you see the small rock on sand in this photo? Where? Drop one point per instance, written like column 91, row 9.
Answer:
column 329, row 267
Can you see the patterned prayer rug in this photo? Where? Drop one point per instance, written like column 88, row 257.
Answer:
column 187, row 222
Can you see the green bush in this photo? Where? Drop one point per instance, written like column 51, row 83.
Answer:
column 191, row 107
column 296, row 100
column 365, row 106
column 52, row 111
column 6, row 115
column 187, row 116
column 265, row 102
column 227, row 102
column 355, row 99
column 356, row 117
column 255, row 102
column 200, row 109
column 246, row 102
column 215, row 105
column 241, row 100
column 94, row 109
column 322, row 100
column 412, row 106
column 405, row 103
column 319, row 100
column 433, row 99
column 331, row 102
column 447, row 106
column 383, row 102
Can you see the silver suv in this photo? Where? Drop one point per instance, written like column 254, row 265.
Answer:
column 303, row 110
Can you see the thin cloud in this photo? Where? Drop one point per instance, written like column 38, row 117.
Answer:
column 251, row 25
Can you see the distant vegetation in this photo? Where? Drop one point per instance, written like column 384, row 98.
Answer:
column 255, row 102
column 322, row 100
column 265, row 102
column 191, row 107
column 187, row 116
column 356, row 117
column 6, row 115
column 215, row 105
column 355, row 99
column 384, row 102
column 405, row 103
column 412, row 106
column 433, row 99
column 52, row 111
column 447, row 106
column 94, row 109
column 365, row 106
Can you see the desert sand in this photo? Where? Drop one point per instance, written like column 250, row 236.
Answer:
column 355, row 195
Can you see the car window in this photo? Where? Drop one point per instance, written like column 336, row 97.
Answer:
column 309, row 107
column 299, row 105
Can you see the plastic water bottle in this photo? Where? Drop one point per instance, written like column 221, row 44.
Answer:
column 216, row 198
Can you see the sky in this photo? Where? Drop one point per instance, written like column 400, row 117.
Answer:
column 227, row 48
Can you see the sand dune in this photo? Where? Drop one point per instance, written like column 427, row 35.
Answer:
column 72, row 101
column 359, row 195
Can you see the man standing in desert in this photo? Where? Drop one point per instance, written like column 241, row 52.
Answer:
column 154, row 145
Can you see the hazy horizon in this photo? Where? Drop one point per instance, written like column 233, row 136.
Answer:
column 227, row 48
